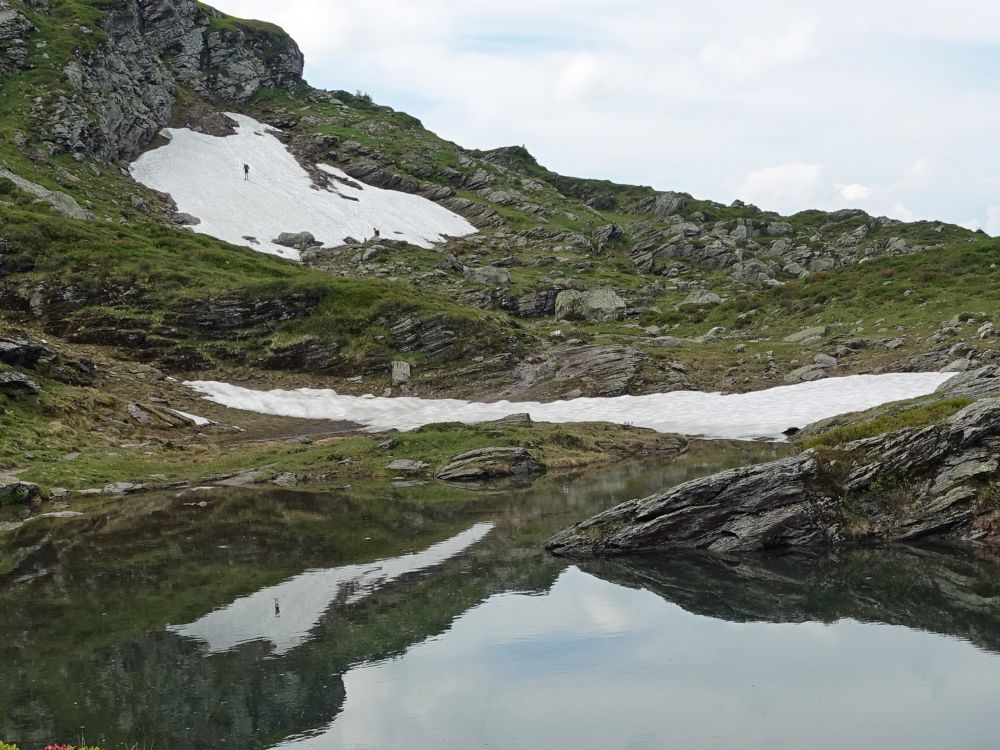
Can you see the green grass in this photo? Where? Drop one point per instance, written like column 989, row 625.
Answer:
column 915, row 417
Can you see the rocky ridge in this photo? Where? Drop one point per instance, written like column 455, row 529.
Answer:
column 937, row 482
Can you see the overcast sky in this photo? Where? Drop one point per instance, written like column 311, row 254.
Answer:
column 888, row 105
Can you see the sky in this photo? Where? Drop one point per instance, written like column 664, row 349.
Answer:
column 886, row 105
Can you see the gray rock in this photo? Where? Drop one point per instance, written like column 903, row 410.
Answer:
column 407, row 465
column 959, row 365
column 118, row 489
column 61, row 202
column 700, row 299
column 873, row 492
column 488, row 276
column 14, row 490
column 15, row 29
column 595, row 305
column 490, row 463
column 401, row 373
column 16, row 383
column 825, row 360
column 122, row 94
column 806, row 374
column 807, row 336
column 975, row 384
column 296, row 240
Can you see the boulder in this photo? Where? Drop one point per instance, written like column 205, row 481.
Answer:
column 13, row 490
column 488, row 276
column 296, row 240
column 407, row 465
column 807, row 336
column 806, row 374
column 401, row 373
column 936, row 483
column 14, row 383
column 700, row 299
column 490, row 463
column 595, row 305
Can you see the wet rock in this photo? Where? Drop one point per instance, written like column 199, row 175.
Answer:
column 15, row 491
column 490, row 463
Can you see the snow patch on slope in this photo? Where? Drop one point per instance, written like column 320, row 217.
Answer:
column 745, row 416
column 204, row 176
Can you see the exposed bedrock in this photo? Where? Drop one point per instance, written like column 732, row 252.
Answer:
column 936, row 482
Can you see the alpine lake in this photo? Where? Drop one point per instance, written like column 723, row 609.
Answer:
column 412, row 616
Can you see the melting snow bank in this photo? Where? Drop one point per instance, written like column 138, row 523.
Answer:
column 744, row 416
column 204, row 176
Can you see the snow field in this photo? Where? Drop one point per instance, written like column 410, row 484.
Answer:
column 747, row 416
column 204, row 176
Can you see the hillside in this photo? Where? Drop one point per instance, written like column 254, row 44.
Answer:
column 566, row 287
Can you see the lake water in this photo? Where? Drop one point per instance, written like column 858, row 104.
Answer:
column 408, row 618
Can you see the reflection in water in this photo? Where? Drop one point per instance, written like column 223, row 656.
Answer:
column 481, row 639
column 286, row 613
column 593, row 665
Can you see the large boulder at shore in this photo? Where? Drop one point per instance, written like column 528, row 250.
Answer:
column 935, row 482
column 485, row 464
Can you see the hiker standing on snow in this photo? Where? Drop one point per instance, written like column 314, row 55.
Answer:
column 377, row 233
column 246, row 172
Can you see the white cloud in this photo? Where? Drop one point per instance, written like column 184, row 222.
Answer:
column 685, row 96
column 785, row 186
column 992, row 226
column 854, row 192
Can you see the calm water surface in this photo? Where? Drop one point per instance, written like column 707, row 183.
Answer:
column 391, row 618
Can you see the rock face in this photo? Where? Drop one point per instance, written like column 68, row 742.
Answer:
column 14, row 31
column 940, row 481
column 491, row 463
column 121, row 94
column 597, row 305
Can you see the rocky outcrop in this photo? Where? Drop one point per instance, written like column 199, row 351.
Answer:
column 14, row 32
column 56, row 199
column 13, row 490
column 487, row 464
column 596, row 305
column 940, row 481
column 42, row 359
column 122, row 93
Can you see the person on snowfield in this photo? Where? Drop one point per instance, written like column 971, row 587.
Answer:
column 246, row 171
column 377, row 233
